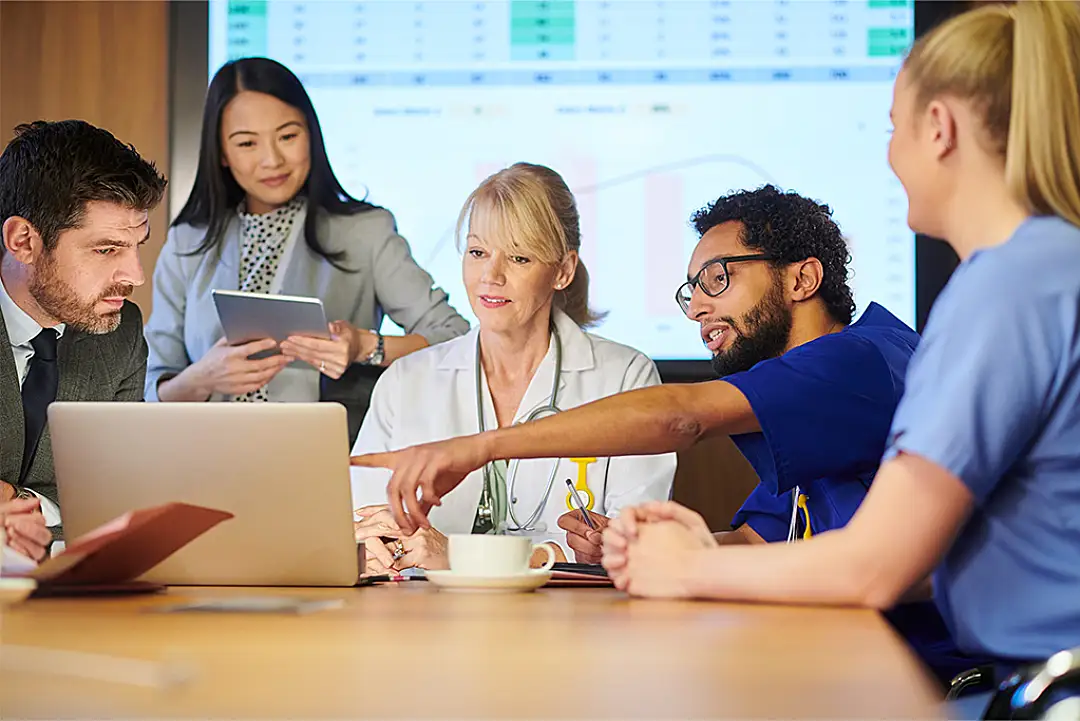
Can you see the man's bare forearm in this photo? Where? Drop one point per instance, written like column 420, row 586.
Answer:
column 659, row 419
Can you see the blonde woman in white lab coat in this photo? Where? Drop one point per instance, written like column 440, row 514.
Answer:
column 529, row 291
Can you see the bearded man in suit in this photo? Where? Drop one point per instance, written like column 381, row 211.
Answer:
column 74, row 209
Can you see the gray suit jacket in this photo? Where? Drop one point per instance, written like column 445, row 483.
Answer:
column 108, row 367
column 184, row 323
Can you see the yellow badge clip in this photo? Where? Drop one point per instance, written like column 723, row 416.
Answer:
column 582, row 485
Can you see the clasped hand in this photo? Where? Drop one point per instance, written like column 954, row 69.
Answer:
column 648, row 549
column 23, row 524
column 426, row 548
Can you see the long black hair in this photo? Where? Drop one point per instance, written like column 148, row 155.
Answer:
column 216, row 193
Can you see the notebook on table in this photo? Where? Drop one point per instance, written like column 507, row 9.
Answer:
column 587, row 575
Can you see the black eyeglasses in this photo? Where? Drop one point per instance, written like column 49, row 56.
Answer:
column 712, row 278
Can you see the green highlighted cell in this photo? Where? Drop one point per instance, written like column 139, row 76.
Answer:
column 885, row 51
column 539, row 8
column 246, row 33
column 542, row 37
column 252, row 8
column 890, row 3
column 885, row 42
column 549, row 23
column 542, row 29
column 888, row 35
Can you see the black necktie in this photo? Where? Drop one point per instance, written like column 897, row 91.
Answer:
column 38, row 391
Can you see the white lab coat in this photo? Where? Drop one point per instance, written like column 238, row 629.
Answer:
column 430, row 395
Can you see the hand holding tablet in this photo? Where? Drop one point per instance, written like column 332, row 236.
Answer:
column 237, row 370
column 288, row 327
column 329, row 356
column 247, row 317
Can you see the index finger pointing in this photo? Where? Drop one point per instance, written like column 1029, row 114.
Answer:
column 397, row 508
column 418, row 510
column 373, row 460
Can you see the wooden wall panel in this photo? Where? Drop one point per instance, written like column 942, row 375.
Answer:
column 714, row 479
column 103, row 62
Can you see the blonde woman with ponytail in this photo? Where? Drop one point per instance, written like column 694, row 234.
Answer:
column 530, row 293
column 980, row 486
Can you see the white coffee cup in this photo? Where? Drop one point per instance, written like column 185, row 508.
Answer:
column 489, row 555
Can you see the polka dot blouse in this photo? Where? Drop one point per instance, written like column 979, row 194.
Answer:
column 263, row 243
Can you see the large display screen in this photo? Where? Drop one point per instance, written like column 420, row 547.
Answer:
column 649, row 109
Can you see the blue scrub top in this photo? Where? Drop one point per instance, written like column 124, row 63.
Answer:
column 824, row 408
column 993, row 396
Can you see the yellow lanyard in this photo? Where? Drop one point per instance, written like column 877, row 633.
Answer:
column 807, row 533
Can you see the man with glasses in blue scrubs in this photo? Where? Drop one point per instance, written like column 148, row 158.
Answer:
column 805, row 393
column 768, row 287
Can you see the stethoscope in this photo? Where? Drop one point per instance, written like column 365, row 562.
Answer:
column 548, row 409
column 798, row 500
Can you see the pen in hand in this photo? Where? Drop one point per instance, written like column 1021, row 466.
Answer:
column 580, row 505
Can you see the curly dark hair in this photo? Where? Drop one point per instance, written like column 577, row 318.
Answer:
column 790, row 228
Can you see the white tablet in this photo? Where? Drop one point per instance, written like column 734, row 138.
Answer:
column 253, row 316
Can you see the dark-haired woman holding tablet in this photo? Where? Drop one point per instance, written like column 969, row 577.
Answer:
column 267, row 215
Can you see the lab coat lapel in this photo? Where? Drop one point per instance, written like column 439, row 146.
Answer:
column 538, row 394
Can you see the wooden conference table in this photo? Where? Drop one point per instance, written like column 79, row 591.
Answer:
column 408, row 651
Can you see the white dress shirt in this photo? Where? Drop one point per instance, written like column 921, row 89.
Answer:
column 22, row 329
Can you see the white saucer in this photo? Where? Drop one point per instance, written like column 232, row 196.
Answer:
column 528, row 581
column 14, row 590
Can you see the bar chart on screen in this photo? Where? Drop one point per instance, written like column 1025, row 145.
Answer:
column 649, row 109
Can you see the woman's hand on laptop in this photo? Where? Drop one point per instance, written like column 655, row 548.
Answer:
column 434, row 469
column 25, row 527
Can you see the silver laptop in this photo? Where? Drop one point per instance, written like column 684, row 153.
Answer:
column 281, row 468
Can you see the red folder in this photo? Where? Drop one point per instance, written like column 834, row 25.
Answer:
column 112, row 556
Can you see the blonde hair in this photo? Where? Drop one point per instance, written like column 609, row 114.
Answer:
column 537, row 212
column 1020, row 67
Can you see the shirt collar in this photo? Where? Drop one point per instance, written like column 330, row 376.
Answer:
column 289, row 211
column 21, row 328
column 878, row 315
column 577, row 351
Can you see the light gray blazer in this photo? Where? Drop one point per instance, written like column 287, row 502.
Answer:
column 184, row 324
